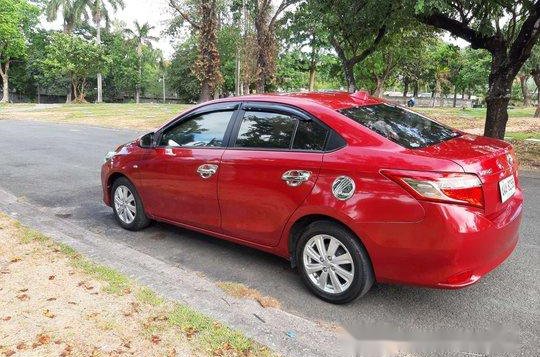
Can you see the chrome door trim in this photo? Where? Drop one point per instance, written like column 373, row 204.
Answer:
column 207, row 170
column 295, row 178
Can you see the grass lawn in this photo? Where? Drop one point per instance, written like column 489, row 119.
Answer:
column 55, row 302
column 133, row 116
column 145, row 117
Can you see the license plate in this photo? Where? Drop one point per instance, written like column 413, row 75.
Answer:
column 507, row 187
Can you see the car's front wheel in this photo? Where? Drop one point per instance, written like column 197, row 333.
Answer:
column 127, row 205
column 333, row 263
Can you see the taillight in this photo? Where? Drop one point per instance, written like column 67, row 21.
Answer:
column 462, row 188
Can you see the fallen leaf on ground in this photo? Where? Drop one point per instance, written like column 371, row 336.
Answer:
column 21, row 346
column 42, row 339
column 51, row 299
column 155, row 339
column 15, row 259
column 52, row 277
column 23, row 297
column 6, row 318
column 48, row 313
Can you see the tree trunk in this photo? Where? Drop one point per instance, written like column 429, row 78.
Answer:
column 454, row 104
column 4, row 73
column 245, row 90
column 137, row 95
column 99, row 79
column 5, row 84
column 536, row 77
column 312, row 78
column 405, row 86
column 415, row 89
column 38, row 94
column 69, row 94
column 206, row 93
column 497, row 102
column 348, row 69
column 524, row 90
column 379, row 87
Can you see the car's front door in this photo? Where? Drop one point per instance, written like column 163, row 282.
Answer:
column 269, row 169
column 179, row 177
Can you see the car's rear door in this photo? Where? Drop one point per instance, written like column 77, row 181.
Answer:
column 179, row 176
column 270, row 167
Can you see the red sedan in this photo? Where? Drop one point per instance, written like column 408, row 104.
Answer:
column 348, row 188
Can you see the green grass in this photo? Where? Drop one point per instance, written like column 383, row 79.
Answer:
column 475, row 113
column 147, row 296
column 211, row 335
column 30, row 235
column 523, row 135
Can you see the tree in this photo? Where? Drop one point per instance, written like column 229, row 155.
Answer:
column 99, row 11
column 265, row 17
column 76, row 58
column 16, row 17
column 533, row 65
column 507, row 29
column 72, row 10
column 202, row 16
column 141, row 36
column 305, row 33
column 357, row 28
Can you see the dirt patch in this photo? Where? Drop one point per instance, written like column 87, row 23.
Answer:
column 241, row 291
column 54, row 302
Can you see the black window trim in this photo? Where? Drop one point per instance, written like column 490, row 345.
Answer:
column 284, row 109
column 238, row 108
column 207, row 109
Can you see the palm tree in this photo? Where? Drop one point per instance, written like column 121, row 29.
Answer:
column 72, row 11
column 99, row 11
column 141, row 36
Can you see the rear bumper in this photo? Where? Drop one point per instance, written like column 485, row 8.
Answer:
column 453, row 247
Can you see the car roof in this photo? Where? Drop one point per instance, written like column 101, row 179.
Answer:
column 333, row 100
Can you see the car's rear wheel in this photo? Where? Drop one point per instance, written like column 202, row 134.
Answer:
column 127, row 205
column 333, row 263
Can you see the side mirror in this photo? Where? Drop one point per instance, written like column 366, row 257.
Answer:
column 147, row 140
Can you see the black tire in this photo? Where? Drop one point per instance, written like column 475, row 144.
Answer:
column 140, row 220
column 363, row 271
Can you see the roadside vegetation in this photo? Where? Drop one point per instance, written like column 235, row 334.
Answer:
column 54, row 301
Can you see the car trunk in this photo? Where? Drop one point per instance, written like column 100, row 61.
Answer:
column 488, row 158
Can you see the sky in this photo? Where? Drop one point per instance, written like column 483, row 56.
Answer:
column 156, row 12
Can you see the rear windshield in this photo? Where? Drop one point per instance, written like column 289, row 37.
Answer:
column 403, row 127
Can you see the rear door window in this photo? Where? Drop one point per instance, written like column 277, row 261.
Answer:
column 266, row 130
column 269, row 130
column 406, row 128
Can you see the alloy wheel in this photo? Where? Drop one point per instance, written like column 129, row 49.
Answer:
column 328, row 264
column 124, row 204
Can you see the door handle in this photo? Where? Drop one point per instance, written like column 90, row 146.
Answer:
column 207, row 170
column 295, row 178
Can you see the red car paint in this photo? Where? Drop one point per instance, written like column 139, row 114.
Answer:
column 409, row 240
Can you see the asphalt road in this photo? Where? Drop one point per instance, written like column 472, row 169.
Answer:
column 57, row 166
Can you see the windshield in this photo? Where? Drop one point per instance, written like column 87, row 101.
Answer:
column 403, row 127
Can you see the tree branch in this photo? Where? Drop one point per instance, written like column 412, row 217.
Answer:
column 175, row 6
column 526, row 39
column 366, row 52
column 456, row 28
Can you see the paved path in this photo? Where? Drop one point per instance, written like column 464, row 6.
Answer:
column 57, row 167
